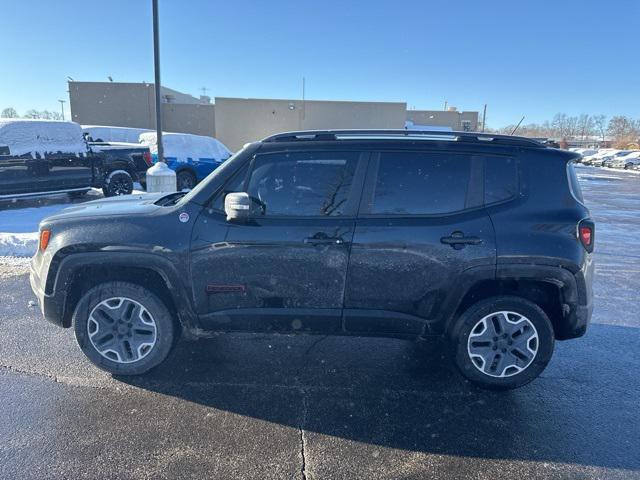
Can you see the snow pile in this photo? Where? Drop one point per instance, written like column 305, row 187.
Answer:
column 18, row 244
column 41, row 137
column 114, row 134
column 185, row 146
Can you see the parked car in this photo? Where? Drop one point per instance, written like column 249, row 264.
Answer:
column 125, row 163
column 608, row 159
column 107, row 133
column 625, row 161
column 193, row 157
column 596, row 159
column 44, row 157
column 336, row 233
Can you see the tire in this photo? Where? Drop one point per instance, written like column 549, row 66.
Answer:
column 118, row 182
column 484, row 360
column 185, row 180
column 131, row 350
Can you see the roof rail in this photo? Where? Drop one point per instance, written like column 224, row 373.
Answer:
column 464, row 137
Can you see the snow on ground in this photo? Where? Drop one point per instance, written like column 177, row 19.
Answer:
column 19, row 220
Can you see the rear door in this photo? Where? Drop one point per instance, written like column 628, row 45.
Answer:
column 421, row 230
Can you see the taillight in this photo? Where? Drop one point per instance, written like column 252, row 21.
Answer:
column 147, row 158
column 586, row 232
column 45, row 235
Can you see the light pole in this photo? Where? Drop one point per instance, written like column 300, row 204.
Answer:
column 160, row 178
column 62, row 108
column 156, row 67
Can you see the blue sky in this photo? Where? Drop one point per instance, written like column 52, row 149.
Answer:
column 531, row 58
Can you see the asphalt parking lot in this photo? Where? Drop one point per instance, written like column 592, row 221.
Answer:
column 253, row 406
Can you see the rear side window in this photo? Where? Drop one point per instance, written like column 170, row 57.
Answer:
column 574, row 184
column 500, row 179
column 421, row 183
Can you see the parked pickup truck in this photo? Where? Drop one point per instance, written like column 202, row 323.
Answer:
column 41, row 157
column 124, row 163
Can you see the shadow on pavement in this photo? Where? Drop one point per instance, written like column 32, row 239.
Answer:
column 583, row 410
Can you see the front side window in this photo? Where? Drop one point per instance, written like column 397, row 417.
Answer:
column 302, row 183
column 421, row 183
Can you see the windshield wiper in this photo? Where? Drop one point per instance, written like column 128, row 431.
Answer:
column 170, row 199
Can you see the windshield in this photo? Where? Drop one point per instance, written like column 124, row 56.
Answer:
column 220, row 171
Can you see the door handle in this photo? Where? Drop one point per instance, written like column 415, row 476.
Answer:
column 323, row 241
column 457, row 240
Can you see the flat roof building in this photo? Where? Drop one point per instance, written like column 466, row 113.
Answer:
column 236, row 121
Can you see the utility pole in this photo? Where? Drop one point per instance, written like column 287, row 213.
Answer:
column 156, row 66
column 484, row 117
column 445, row 105
column 303, row 104
column 62, row 108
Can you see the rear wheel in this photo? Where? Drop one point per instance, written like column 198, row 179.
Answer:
column 123, row 328
column 118, row 182
column 502, row 342
column 185, row 180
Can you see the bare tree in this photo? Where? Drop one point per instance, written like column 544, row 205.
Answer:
column 9, row 112
column 585, row 125
column 600, row 124
column 624, row 130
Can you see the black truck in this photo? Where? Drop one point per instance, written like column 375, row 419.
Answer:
column 482, row 239
column 39, row 157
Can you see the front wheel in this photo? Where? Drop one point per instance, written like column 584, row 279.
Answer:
column 118, row 182
column 123, row 328
column 502, row 342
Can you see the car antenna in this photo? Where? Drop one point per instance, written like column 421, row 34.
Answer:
column 517, row 126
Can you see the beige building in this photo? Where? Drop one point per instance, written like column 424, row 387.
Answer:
column 133, row 105
column 236, row 121
column 452, row 118
column 240, row 120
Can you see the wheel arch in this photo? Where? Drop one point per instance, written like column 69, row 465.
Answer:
column 553, row 289
column 78, row 273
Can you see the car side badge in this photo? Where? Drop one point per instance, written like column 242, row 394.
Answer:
column 183, row 217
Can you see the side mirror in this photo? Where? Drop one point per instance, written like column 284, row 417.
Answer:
column 237, row 206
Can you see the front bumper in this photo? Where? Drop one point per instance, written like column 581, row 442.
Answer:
column 52, row 308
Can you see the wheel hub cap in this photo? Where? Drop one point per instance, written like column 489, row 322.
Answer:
column 502, row 344
column 122, row 330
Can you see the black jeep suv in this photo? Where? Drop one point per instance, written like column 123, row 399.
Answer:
column 482, row 239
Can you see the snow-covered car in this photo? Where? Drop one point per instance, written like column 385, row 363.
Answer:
column 625, row 161
column 192, row 157
column 105, row 133
column 598, row 156
column 43, row 157
column 608, row 159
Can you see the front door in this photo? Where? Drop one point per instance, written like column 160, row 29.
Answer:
column 421, row 231
column 285, row 268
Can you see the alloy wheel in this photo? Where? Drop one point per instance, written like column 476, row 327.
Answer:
column 503, row 344
column 122, row 330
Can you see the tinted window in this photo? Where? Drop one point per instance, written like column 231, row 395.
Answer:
column 421, row 183
column 303, row 183
column 500, row 179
